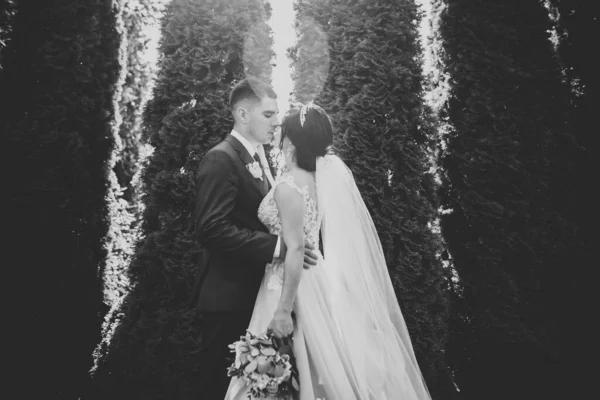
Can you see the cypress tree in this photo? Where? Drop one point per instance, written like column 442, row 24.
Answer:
column 374, row 94
column 507, row 160
column 578, row 26
column 7, row 10
column 140, row 21
column 152, row 342
column 58, row 103
column 577, row 23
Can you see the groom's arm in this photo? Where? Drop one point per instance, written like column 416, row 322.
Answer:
column 216, row 189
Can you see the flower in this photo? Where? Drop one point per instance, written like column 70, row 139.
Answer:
column 264, row 366
column 272, row 388
column 255, row 169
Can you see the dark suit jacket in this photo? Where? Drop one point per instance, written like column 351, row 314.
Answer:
column 236, row 246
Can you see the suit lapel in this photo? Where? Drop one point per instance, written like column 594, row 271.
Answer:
column 246, row 159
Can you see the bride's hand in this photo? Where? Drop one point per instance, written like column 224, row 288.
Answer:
column 282, row 324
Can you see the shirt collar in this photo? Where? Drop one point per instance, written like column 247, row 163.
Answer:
column 251, row 149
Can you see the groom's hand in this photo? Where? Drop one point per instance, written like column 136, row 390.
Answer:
column 310, row 256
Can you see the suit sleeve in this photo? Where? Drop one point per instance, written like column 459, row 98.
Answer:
column 216, row 192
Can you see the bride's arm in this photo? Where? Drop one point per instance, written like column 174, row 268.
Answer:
column 291, row 210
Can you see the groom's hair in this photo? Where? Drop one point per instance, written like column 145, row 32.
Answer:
column 250, row 89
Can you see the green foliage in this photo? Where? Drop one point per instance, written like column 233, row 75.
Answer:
column 578, row 26
column 310, row 59
column 7, row 11
column 58, row 103
column 374, row 94
column 152, row 338
column 508, row 181
column 139, row 19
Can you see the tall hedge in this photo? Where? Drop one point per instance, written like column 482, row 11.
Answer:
column 58, row 101
column 7, row 10
column 509, row 183
column 140, row 22
column 578, row 25
column 152, row 346
column 373, row 92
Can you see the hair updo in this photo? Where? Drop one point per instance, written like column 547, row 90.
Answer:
column 312, row 140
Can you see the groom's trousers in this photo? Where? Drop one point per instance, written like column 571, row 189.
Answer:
column 220, row 329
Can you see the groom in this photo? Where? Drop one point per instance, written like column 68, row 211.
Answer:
column 231, row 181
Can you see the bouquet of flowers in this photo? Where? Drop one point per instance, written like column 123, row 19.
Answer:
column 267, row 366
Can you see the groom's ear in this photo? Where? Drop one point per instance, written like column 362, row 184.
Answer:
column 241, row 114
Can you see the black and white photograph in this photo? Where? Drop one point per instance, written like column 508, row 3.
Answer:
column 299, row 199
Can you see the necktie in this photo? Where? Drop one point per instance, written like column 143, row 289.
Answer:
column 265, row 181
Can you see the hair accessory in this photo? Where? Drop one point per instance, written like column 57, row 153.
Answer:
column 303, row 112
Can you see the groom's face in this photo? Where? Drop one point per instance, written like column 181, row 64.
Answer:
column 264, row 120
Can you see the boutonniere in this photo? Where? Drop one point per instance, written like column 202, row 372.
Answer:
column 255, row 170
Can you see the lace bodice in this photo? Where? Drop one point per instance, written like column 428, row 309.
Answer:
column 269, row 216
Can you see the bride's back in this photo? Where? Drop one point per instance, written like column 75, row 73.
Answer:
column 305, row 179
column 303, row 183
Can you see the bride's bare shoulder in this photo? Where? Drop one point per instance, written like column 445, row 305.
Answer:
column 302, row 177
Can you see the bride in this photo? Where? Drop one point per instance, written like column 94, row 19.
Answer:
column 350, row 340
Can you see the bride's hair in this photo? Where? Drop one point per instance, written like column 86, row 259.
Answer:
column 312, row 138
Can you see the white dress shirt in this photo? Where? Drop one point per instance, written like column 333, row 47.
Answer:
column 263, row 159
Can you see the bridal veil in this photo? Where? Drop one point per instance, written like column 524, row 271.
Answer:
column 373, row 343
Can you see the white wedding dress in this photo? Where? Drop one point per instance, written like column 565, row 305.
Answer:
column 350, row 341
